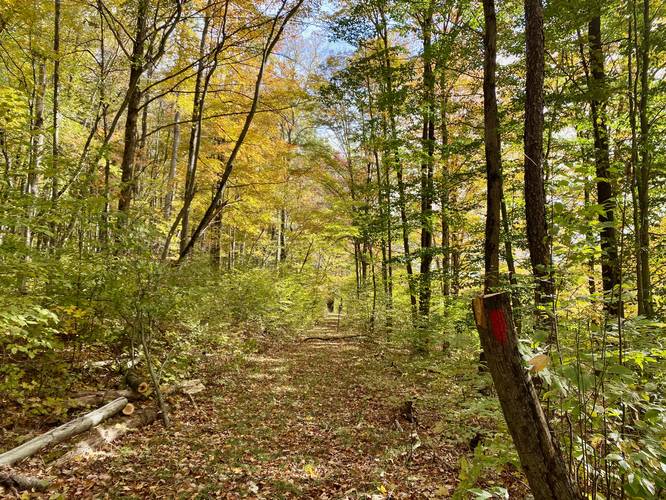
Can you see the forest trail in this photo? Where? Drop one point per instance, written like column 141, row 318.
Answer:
column 299, row 419
column 302, row 419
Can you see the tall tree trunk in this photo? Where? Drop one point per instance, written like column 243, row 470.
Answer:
column 216, row 246
column 645, row 167
column 37, row 143
column 535, row 193
column 383, row 204
column 456, row 256
column 56, row 96
column 591, row 284
column 427, row 165
column 281, row 241
column 397, row 165
column 492, row 148
column 195, row 136
column 106, row 211
column 175, row 144
column 632, row 89
column 444, row 196
column 133, row 109
column 610, row 265
column 508, row 242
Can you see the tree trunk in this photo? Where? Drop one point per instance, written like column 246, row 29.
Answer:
column 397, row 165
column 133, row 108
column 610, row 266
column 492, row 149
column 96, row 398
column 56, row 96
column 168, row 200
column 37, row 143
column 216, row 246
column 643, row 183
column 445, row 198
column 535, row 194
column 537, row 449
column 195, row 137
column 59, row 434
column 427, row 166
column 282, row 245
column 632, row 89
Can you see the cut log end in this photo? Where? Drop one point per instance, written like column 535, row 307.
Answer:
column 129, row 409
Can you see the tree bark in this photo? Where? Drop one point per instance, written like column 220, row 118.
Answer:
column 427, row 165
column 537, row 449
column 445, row 198
column 394, row 154
column 175, row 144
column 37, row 143
column 59, row 434
column 56, row 96
column 643, row 183
column 195, row 135
column 281, row 241
column 492, row 148
column 535, row 193
column 610, row 265
column 133, row 108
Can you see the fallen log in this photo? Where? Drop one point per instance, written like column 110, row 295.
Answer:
column 136, row 382
column 65, row 431
column 14, row 481
column 101, row 435
column 333, row 338
column 96, row 398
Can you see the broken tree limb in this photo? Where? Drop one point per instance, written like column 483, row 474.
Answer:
column 539, row 454
column 101, row 435
column 65, row 431
column 12, row 480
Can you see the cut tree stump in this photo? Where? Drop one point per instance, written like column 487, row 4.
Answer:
column 539, row 454
column 65, row 431
column 101, row 435
column 11, row 480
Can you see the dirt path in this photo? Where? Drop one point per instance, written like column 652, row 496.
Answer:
column 300, row 420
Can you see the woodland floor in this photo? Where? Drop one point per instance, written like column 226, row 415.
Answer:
column 303, row 419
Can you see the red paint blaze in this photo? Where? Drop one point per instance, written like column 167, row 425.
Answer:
column 498, row 325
